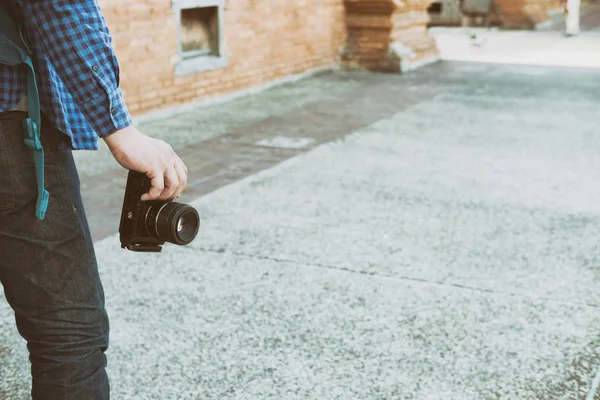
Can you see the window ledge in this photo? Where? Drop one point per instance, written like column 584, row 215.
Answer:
column 199, row 64
column 179, row 4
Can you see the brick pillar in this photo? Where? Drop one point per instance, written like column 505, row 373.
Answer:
column 524, row 14
column 388, row 35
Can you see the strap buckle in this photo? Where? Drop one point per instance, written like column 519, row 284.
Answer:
column 32, row 135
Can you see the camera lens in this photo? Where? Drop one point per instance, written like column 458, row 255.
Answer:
column 187, row 226
column 173, row 222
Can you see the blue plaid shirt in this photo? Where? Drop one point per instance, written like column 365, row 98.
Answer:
column 77, row 69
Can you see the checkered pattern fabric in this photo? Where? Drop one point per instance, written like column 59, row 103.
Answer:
column 77, row 69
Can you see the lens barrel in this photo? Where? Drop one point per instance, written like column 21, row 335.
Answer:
column 173, row 222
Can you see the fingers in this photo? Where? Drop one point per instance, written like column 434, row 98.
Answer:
column 167, row 184
column 168, row 177
column 158, row 184
column 171, row 184
column 181, row 170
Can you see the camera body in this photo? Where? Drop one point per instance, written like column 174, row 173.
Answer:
column 146, row 225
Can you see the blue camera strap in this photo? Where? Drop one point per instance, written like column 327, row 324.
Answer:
column 14, row 50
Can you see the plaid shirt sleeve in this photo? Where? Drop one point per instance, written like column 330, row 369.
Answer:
column 75, row 38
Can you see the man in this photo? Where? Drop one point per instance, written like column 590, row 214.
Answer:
column 572, row 11
column 48, row 267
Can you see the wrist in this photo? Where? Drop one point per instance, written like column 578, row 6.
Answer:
column 112, row 139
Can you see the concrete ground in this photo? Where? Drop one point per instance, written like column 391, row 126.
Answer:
column 445, row 250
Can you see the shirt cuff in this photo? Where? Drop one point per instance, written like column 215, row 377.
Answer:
column 110, row 119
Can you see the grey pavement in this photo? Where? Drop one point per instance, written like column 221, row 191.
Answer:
column 181, row 129
column 446, row 252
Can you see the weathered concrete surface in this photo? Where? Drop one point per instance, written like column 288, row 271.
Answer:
column 447, row 252
column 207, row 122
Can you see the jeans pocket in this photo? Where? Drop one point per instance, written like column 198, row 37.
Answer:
column 7, row 196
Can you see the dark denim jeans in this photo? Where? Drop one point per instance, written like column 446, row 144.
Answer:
column 48, row 269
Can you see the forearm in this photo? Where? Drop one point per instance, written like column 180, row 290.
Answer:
column 73, row 35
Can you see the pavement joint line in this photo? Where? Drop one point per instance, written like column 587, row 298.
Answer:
column 594, row 388
column 492, row 98
column 409, row 278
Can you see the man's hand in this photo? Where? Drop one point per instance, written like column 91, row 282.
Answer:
column 153, row 157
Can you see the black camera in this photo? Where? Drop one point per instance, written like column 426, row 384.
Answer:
column 146, row 225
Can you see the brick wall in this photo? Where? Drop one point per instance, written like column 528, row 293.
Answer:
column 269, row 39
column 524, row 14
column 264, row 40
